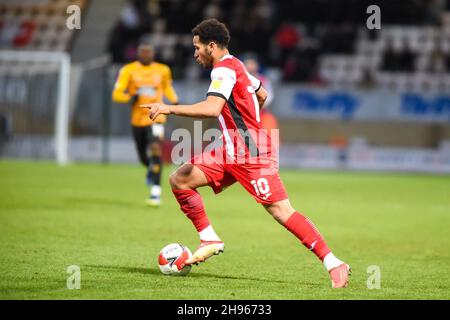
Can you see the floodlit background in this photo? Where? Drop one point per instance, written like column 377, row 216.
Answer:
column 345, row 96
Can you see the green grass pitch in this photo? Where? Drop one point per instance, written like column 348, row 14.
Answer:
column 94, row 216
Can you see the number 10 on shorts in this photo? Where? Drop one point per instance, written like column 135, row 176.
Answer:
column 262, row 188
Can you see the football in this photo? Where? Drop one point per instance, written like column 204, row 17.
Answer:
column 172, row 259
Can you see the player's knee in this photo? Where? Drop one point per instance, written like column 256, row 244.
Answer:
column 179, row 179
column 174, row 181
column 280, row 211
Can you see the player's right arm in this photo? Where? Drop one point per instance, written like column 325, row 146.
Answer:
column 209, row 108
column 120, row 93
column 222, row 82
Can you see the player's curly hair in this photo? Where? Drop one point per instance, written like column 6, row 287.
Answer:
column 212, row 30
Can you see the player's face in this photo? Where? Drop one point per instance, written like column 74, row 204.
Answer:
column 145, row 54
column 202, row 53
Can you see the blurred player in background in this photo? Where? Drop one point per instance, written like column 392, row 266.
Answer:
column 268, row 120
column 139, row 82
column 235, row 98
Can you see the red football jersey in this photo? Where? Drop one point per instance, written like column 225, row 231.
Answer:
column 243, row 134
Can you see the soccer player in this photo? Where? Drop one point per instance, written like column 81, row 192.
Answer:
column 235, row 97
column 146, row 81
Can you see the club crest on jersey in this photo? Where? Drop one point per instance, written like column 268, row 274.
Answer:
column 217, row 83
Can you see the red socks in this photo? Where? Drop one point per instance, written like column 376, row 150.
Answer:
column 192, row 205
column 308, row 234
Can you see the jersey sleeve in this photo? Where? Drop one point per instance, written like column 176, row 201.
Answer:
column 120, row 87
column 222, row 82
column 256, row 84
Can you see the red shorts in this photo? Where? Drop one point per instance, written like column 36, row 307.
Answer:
column 261, row 179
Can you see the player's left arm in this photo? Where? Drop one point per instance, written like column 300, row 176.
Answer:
column 261, row 92
column 209, row 108
column 168, row 89
column 261, row 95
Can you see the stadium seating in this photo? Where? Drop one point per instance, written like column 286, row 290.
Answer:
column 36, row 25
column 430, row 47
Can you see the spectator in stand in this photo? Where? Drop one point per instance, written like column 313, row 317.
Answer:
column 287, row 38
column 134, row 22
